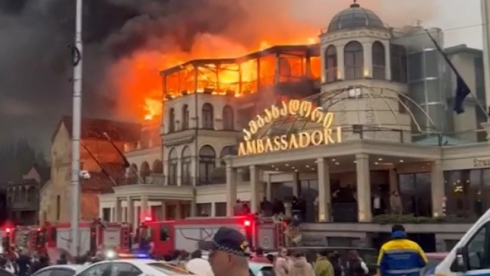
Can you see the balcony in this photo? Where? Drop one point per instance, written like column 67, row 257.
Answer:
column 25, row 205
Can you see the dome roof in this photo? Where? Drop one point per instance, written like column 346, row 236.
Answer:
column 354, row 17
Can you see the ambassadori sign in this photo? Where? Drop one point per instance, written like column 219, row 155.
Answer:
column 304, row 109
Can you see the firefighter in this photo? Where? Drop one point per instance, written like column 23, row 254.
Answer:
column 401, row 248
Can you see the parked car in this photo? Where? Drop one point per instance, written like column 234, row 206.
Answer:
column 58, row 270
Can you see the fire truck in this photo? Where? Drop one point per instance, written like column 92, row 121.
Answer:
column 184, row 234
column 94, row 235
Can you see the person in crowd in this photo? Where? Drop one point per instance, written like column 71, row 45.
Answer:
column 336, row 262
column 229, row 252
column 278, row 207
column 282, row 265
column 198, row 265
column 63, row 260
column 401, row 248
column 300, row 266
column 355, row 266
column 183, row 258
column 323, row 267
column 271, row 258
column 259, row 256
column 396, row 203
column 238, row 208
column 266, row 207
column 40, row 263
column 7, row 265
column 23, row 263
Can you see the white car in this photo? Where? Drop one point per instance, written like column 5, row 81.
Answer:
column 58, row 270
column 132, row 267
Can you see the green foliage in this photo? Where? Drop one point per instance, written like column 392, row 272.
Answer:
column 16, row 158
column 391, row 219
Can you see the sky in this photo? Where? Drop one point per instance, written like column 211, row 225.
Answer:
column 34, row 62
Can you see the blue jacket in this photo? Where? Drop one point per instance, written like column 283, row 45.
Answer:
column 401, row 257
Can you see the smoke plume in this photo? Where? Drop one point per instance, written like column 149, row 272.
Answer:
column 128, row 41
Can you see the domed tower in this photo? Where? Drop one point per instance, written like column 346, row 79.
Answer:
column 357, row 77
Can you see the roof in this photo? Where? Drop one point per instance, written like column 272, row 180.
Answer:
column 100, row 182
column 355, row 17
column 463, row 48
column 92, row 128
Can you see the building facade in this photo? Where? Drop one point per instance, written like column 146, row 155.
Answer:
column 362, row 115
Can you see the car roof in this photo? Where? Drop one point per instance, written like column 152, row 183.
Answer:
column 67, row 266
column 436, row 255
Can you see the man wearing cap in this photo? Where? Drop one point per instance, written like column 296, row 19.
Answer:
column 401, row 256
column 228, row 252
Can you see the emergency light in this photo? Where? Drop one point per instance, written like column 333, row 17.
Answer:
column 7, row 230
column 148, row 219
column 247, row 223
column 134, row 256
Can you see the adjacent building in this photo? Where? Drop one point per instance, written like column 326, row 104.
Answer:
column 348, row 123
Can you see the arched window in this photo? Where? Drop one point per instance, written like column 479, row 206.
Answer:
column 132, row 174
column 173, row 162
column 185, row 117
column 207, row 116
column 379, row 61
column 171, row 120
column 145, row 170
column 228, row 150
column 186, row 166
column 58, row 207
column 353, row 60
column 207, row 164
column 228, row 118
column 157, row 166
column 331, row 64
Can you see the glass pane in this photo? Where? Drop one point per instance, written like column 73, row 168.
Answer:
column 415, row 67
column 431, row 63
column 433, row 89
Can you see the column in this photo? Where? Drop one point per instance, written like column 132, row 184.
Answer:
column 368, row 59
column 486, row 127
column 178, row 210
column 387, row 60
column 485, row 10
column 179, row 172
column 324, row 197
column 130, row 211
column 393, row 180
column 144, row 207
column 231, row 190
column 268, row 188
column 295, row 184
column 117, row 211
column 437, row 188
column 254, row 189
column 163, row 211
column 213, row 209
column 363, row 188
column 340, row 62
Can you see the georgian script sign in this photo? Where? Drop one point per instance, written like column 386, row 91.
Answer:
column 304, row 109
column 481, row 163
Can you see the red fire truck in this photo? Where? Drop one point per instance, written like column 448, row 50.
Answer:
column 184, row 234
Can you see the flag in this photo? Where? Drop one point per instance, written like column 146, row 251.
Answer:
column 125, row 160
column 462, row 89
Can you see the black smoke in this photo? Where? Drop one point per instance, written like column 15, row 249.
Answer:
column 35, row 61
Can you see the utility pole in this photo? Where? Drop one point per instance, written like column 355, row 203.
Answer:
column 77, row 118
column 485, row 15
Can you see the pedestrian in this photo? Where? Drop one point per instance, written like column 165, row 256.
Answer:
column 401, row 248
column 300, row 266
column 228, row 252
column 323, row 267
column 23, row 263
column 198, row 265
column 355, row 266
column 259, row 257
column 62, row 260
column 282, row 265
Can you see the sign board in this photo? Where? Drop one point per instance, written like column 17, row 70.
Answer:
column 304, row 109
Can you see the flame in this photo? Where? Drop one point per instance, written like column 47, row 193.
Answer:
column 139, row 81
column 153, row 108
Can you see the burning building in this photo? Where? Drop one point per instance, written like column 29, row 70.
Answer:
column 364, row 113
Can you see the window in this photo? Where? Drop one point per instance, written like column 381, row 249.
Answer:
column 169, row 269
column 207, row 116
column 204, row 209
column 478, row 250
column 145, row 170
column 228, row 118
column 58, row 207
column 353, row 60
column 207, row 164
column 185, row 117
column 62, row 272
column 124, row 269
column 171, row 120
column 416, row 195
column 164, row 233
column 173, row 162
column 331, row 64
column 379, row 61
column 220, row 209
column 398, row 63
column 186, row 166
column 228, row 150
column 97, row 270
column 106, row 214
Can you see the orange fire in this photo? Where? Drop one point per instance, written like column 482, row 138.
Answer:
column 139, row 78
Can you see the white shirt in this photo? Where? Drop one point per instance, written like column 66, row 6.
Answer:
column 199, row 267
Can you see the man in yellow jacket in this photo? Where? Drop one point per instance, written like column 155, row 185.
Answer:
column 323, row 267
column 400, row 256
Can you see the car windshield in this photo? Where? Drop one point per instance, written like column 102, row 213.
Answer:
column 429, row 268
column 170, row 269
